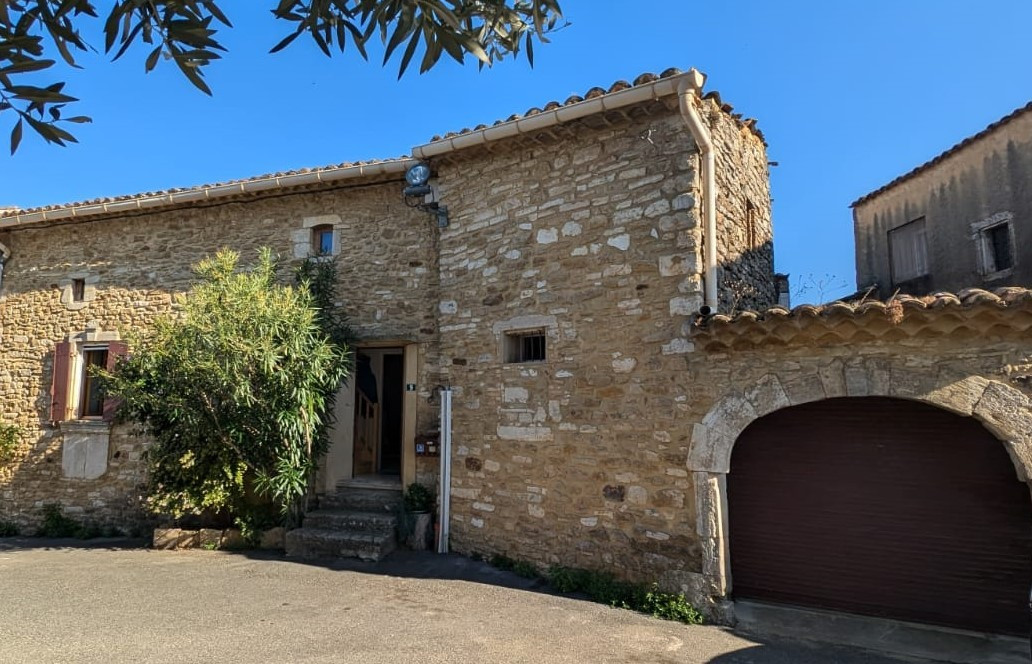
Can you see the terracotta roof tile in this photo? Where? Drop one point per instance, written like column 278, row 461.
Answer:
column 643, row 79
column 956, row 148
column 13, row 212
column 592, row 93
column 967, row 312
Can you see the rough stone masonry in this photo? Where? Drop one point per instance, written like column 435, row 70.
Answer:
column 587, row 232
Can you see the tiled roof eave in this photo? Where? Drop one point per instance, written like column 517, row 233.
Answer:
column 620, row 94
column 942, row 314
column 173, row 197
column 944, row 155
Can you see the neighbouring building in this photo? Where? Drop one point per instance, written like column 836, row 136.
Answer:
column 594, row 282
column 962, row 219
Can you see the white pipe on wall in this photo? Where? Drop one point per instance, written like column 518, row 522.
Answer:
column 687, row 90
column 444, row 492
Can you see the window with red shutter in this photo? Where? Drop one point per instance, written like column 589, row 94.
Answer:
column 115, row 350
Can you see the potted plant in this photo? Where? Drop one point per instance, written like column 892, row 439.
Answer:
column 418, row 504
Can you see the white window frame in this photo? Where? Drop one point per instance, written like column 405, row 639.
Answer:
column 983, row 247
column 91, row 339
column 78, row 377
column 89, row 290
column 303, row 237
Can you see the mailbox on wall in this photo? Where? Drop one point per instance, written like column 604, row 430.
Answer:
column 428, row 445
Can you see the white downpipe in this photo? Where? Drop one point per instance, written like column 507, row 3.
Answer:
column 687, row 89
column 445, row 488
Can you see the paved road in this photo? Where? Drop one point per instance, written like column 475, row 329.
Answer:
column 111, row 604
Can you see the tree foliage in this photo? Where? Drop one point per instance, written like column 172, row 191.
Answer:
column 236, row 390
column 186, row 33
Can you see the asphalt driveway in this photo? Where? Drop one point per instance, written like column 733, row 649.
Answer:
column 115, row 604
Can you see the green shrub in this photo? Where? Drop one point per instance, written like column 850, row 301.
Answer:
column 56, row 524
column 504, row 563
column 418, row 498
column 605, row 588
column 255, row 522
column 236, row 388
column 669, row 606
column 8, row 529
column 526, row 570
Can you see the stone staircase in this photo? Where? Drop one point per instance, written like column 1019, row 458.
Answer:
column 359, row 521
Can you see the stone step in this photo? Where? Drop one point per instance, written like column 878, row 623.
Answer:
column 382, row 523
column 315, row 543
column 364, row 500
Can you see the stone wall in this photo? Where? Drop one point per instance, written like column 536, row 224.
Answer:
column 745, row 242
column 138, row 262
column 589, row 233
column 593, row 237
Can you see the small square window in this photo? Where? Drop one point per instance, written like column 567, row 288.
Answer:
column 91, row 396
column 322, row 240
column 78, row 290
column 525, row 346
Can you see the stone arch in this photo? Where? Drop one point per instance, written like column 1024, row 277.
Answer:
column 1003, row 410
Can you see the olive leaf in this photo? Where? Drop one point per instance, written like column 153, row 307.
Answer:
column 186, row 32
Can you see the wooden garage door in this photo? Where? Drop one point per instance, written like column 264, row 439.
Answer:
column 882, row 507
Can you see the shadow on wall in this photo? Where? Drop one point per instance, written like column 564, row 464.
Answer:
column 747, row 282
column 34, row 476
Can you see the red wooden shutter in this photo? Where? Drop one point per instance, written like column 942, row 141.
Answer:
column 116, row 349
column 59, row 381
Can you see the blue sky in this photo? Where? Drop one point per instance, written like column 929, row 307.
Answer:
column 848, row 94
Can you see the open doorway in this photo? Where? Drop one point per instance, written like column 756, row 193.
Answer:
column 379, row 411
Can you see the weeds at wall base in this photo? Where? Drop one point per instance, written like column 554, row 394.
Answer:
column 606, row 589
column 55, row 524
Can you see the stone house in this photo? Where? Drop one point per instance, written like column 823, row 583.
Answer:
column 584, row 278
column 575, row 226
column 961, row 219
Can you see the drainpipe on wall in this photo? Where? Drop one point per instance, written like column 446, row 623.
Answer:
column 445, row 455
column 687, row 89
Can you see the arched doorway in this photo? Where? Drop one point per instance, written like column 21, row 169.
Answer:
column 883, row 507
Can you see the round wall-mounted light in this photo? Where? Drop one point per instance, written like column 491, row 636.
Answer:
column 418, row 175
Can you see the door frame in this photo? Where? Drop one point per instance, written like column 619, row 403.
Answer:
column 338, row 464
